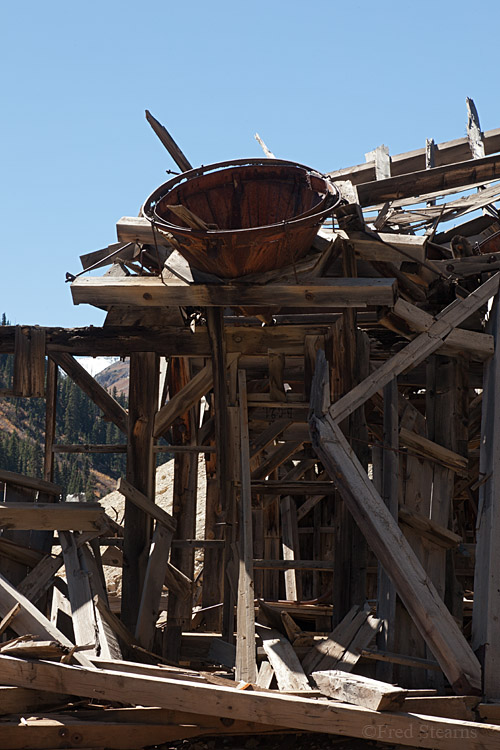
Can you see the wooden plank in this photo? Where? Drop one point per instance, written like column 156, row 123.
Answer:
column 153, row 585
column 30, row 620
column 152, row 292
column 21, row 382
column 40, row 578
column 290, row 547
column 386, row 594
column 486, row 615
column 272, row 709
column 429, row 449
column 277, row 456
column 246, row 665
column 365, row 635
column 448, row 152
column 186, row 398
column 398, row 559
column 362, row 691
column 462, row 174
column 80, row 596
column 478, row 345
column 328, row 651
column 283, row 659
column 50, row 420
column 138, row 527
column 183, row 400
column 416, row 351
column 41, row 485
column 431, row 530
column 111, row 409
column 169, row 143
column 52, row 516
column 23, row 700
column 266, row 674
column 143, row 503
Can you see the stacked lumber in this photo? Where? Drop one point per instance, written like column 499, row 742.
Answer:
column 339, row 572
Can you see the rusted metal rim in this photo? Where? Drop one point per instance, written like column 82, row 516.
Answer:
column 326, row 206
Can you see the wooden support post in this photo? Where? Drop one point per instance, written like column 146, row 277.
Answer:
column 215, row 325
column 246, row 665
column 486, row 612
column 50, row 420
column 143, row 400
column 386, row 607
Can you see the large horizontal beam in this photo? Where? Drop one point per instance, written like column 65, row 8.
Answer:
column 155, row 292
column 170, row 340
column 270, row 708
column 463, row 174
column 448, row 152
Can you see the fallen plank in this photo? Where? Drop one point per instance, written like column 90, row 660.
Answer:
column 153, row 292
column 283, row 659
column 328, row 651
column 270, row 709
column 362, row 691
column 30, row 620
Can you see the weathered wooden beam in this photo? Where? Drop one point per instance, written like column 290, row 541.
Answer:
column 148, row 291
column 169, row 143
column 486, row 614
column 31, row 483
column 29, row 619
column 462, row 174
column 99, row 395
column 362, row 691
column 140, row 500
column 448, row 152
column 153, row 584
column 419, row 596
column 272, row 709
column 246, row 664
column 52, row 516
column 138, row 527
column 416, row 351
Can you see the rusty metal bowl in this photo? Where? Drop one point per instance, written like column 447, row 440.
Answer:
column 262, row 214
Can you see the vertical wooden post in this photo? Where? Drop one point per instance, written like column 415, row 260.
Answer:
column 143, row 401
column 486, row 612
column 386, row 607
column 50, row 420
column 246, row 664
column 215, row 325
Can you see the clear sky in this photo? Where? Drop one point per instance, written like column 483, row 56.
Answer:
column 322, row 82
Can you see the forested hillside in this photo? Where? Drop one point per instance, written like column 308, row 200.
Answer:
column 22, row 429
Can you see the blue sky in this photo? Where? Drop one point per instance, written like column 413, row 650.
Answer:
column 321, row 82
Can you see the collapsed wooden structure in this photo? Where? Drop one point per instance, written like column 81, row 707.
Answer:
column 345, row 408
